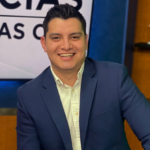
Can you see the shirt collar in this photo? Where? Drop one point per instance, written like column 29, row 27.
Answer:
column 79, row 75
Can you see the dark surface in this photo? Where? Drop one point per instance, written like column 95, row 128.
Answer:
column 130, row 35
column 142, row 45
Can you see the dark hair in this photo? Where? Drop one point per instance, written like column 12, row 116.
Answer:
column 63, row 11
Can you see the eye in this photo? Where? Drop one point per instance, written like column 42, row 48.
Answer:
column 55, row 38
column 75, row 37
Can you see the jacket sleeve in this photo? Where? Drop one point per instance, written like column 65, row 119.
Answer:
column 135, row 108
column 27, row 138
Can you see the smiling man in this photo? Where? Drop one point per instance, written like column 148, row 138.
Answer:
column 78, row 103
column 65, row 43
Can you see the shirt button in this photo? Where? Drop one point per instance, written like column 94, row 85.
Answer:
column 77, row 113
column 72, row 90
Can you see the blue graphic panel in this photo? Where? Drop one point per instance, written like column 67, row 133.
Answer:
column 108, row 30
column 8, row 93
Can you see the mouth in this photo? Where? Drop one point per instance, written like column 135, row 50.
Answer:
column 66, row 55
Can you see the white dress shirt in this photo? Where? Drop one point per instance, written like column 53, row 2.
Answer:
column 70, row 98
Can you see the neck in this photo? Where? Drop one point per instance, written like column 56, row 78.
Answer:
column 66, row 76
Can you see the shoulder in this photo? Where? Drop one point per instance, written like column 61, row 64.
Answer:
column 34, row 84
column 106, row 71
column 106, row 66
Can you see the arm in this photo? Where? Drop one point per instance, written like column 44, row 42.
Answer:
column 135, row 108
column 27, row 138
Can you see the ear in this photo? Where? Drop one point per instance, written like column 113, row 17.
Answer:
column 86, row 40
column 43, row 43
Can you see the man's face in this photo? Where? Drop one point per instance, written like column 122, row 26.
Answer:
column 65, row 44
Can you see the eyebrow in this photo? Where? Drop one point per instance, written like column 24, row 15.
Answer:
column 76, row 33
column 52, row 34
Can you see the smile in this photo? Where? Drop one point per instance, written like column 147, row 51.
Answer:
column 66, row 55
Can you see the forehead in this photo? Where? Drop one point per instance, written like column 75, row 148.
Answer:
column 65, row 25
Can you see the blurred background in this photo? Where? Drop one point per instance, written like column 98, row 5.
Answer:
column 119, row 32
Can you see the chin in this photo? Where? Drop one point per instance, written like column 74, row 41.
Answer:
column 65, row 67
column 68, row 68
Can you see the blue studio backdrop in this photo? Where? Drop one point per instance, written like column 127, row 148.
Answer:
column 106, row 43
column 108, row 30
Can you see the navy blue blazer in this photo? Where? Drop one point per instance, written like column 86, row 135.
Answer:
column 108, row 96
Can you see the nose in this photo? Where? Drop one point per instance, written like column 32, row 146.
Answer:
column 66, row 44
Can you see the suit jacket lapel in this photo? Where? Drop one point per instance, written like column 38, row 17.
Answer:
column 53, row 103
column 87, row 94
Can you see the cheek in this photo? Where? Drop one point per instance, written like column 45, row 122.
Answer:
column 83, row 49
column 51, row 48
column 81, row 46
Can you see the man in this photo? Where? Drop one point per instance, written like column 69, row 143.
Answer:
column 78, row 103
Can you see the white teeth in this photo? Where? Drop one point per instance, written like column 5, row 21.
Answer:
column 66, row 55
